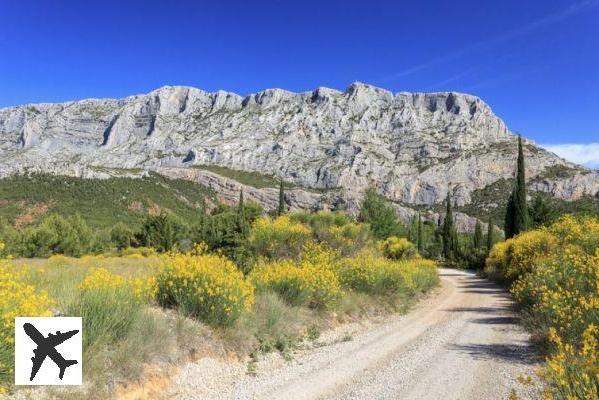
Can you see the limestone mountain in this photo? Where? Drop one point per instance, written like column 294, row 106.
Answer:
column 412, row 146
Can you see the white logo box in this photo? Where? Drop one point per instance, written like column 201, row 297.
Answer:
column 66, row 353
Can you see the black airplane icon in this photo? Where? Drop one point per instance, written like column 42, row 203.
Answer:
column 46, row 348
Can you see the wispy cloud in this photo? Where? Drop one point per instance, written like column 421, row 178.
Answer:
column 451, row 79
column 585, row 154
column 503, row 78
column 503, row 37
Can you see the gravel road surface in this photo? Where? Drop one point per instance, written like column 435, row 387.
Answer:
column 463, row 342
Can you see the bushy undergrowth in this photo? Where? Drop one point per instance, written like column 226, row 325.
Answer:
column 285, row 237
column 278, row 238
column 17, row 299
column 373, row 274
column 555, row 275
column 206, row 286
column 303, row 268
column 398, row 248
column 311, row 281
column 108, row 306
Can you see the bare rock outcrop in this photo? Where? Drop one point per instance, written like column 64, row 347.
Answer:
column 411, row 146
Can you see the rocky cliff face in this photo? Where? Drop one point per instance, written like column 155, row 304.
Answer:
column 412, row 146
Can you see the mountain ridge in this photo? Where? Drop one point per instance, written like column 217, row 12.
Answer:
column 413, row 147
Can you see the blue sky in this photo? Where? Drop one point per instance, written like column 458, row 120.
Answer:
column 535, row 62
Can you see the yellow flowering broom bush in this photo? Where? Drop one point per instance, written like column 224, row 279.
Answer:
column 311, row 280
column 398, row 248
column 110, row 305
column 371, row 273
column 336, row 230
column 514, row 257
column 17, row 299
column 278, row 238
column 208, row 287
column 556, row 280
column 573, row 372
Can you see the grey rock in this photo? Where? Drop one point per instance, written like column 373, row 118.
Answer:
column 412, row 146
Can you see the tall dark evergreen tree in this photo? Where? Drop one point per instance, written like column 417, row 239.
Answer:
column 478, row 235
column 516, row 218
column 420, row 234
column 281, row 210
column 490, row 238
column 508, row 224
column 449, row 234
column 242, row 220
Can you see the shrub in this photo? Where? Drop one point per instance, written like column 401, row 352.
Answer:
column 573, row 373
column 278, row 238
column 398, row 248
column 562, row 292
column 138, row 252
column 370, row 273
column 556, row 276
column 109, row 308
column 17, row 299
column 380, row 215
column 321, row 218
column 162, row 231
column 311, row 280
column 510, row 259
column 122, row 236
column 142, row 288
column 56, row 235
column 208, row 287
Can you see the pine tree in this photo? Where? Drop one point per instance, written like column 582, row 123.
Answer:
column 517, row 219
column 490, row 234
column 478, row 235
column 420, row 234
column 448, row 232
column 281, row 209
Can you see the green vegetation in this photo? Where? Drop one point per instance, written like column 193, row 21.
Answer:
column 300, row 273
column 379, row 214
column 478, row 235
column 282, row 207
column 516, row 217
column 254, row 179
column 449, row 233
column 552, row 273
column 558, row 172
column 101, row 202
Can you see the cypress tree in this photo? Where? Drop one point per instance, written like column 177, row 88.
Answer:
column 508, row 225
column 516, row 218
column 413, row 233
column 490, row 234
column 281, row 209
column 241, row 217
column 478, row 235
column 521, row 219
column 420, row 234
column 448, row 234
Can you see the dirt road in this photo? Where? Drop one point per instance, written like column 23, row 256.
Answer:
column 462, row 343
